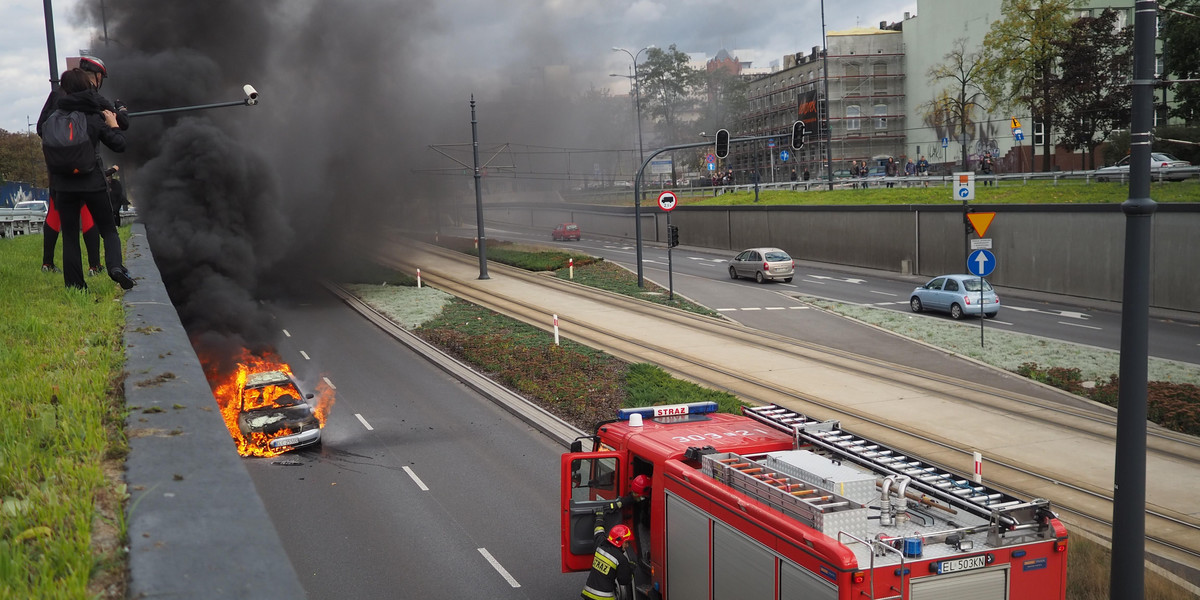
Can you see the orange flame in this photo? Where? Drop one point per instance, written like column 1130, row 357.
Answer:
column 228, row 385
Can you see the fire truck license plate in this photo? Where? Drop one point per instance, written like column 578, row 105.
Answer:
column 962, row 564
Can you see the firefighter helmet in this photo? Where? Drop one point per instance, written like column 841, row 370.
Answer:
column 641, row 485
column 618, row 534
column 93, row 64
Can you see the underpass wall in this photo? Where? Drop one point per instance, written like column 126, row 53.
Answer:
column 1074, row 250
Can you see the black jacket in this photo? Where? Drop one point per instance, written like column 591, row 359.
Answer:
column 57, row 94
column 91, row 103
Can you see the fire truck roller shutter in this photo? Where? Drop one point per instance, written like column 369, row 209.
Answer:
column 989, row 584
column 687, row 550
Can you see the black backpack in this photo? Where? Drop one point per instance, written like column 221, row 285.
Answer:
column 66, row 145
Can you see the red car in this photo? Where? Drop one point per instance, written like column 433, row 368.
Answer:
column 565, row 231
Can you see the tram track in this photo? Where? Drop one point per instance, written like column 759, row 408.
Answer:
column 1171, row 534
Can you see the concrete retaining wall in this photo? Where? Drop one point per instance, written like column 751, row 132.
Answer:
column 1061, row 249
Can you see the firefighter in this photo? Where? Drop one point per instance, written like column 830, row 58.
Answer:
column 610, row 564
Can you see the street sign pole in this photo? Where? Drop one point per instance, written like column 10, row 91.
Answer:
column 981, row 263
column 670, row 264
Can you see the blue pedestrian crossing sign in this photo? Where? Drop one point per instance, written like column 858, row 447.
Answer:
column 945, row 142
column 981, row 263
column 783, row 155
column 1018, row 135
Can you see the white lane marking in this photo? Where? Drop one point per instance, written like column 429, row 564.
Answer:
column 993, row 320
column 496, row 565
column 817, row 282
column 799, row 307
column 420, row 484
column 285, row 332
column 726, row 309
column 752, row 308
column 305, row 355
column 776, row 308
column 884, row 293
column 364, row 422
column 329, row 383
column 837, row 278
column 791, row 285
column 1067, row 314
column 1079, row 325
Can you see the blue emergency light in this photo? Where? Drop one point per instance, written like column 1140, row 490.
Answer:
column 668, row 410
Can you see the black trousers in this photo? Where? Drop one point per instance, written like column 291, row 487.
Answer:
column 69, row 205
column 91, row 241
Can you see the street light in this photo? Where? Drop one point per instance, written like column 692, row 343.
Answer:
column 637, row 192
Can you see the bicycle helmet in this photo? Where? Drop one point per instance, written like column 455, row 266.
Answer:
column 93, row 65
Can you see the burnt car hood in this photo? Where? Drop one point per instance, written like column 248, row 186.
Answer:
column 273, row 420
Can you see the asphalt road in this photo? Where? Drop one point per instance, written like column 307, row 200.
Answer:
column 421, row 488
column 703, row 276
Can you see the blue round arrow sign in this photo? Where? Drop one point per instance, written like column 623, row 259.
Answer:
column 981, row 263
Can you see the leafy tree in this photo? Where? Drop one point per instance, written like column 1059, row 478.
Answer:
column 1094, row 67
column 724, row 99
column 1180, row 34
column 21, row 158
column 1020, row 56
column 668, row 90
column 961, row 96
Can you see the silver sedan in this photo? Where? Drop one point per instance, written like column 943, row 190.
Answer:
column 763, row 264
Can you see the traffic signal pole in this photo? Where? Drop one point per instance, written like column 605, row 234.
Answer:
column 637, row 192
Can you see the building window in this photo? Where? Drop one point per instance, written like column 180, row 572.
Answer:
column 880, row 116
column 1039, row 132
column 852, row 115
column 852, row 70
column 881, row 81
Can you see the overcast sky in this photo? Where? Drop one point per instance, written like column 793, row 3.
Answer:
column 478, row 37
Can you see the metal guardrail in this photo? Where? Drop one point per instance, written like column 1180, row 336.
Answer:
column 947, row 180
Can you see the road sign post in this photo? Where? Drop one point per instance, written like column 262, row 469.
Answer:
column 981, row 263
column 667, row 201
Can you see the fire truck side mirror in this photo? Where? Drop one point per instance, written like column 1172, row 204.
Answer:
column 577, row 446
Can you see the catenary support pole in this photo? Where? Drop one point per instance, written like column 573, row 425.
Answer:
column 481, row 240
column 1128, row 570
column 51, row 47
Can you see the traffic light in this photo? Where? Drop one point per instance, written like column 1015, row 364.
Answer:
column 967, row 210
column 722, row 143
column 673, row 233
column 798, row 133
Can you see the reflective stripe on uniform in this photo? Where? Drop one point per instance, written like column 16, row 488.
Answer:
column 594, row 594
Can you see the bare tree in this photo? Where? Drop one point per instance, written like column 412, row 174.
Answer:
column 961, row 95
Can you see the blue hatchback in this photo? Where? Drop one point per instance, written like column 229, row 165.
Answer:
column 958, row 295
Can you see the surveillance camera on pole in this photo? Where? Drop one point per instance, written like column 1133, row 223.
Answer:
column 722, row 149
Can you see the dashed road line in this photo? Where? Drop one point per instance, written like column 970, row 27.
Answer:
column 305, row 355
column 364, row 422
column 420, row 484
column 285, row 332
column 1080, row 325
column 883, row 293
column 499, row 569
column 329, row 383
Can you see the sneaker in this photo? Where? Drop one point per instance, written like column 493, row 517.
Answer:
column 121, row 276
column 50, row 269
column 94, row 271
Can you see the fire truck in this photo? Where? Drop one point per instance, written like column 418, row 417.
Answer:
column 772, row 504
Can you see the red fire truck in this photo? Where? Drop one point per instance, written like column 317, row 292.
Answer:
column 771, row 504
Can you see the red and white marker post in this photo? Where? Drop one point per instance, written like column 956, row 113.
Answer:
column 555, row 330
column 418, row 279
column 978, row 468
column 571, row 267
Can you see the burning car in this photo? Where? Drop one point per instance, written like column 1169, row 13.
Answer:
column 273, row 412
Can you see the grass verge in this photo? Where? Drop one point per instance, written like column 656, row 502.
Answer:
column 62, row 531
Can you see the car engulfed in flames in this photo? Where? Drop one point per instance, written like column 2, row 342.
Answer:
column 265, row 410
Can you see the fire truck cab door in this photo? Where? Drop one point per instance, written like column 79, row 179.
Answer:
column 589, row 481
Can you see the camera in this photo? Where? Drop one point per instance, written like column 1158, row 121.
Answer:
column 251, row 94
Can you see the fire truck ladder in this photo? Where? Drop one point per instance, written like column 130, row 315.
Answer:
column 988, row 503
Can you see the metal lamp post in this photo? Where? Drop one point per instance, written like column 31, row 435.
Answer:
column 637, row 192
